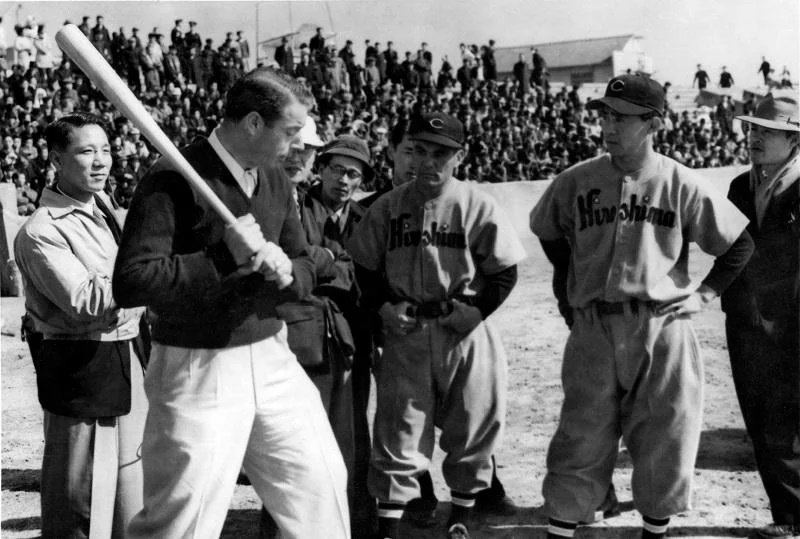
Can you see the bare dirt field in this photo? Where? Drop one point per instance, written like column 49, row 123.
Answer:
column 729, row 500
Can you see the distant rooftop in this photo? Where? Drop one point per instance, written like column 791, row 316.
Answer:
column 578, row 52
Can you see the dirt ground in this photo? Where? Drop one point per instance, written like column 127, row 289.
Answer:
column 729, row 500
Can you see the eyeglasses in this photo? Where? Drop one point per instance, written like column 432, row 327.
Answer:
column 352, row 173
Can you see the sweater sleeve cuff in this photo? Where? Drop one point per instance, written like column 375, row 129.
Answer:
column 221, row 257
column 497, row 288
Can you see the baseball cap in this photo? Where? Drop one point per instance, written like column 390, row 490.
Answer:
column 351, row 146
column 632, row 95
column 779, row 113
column 308, row 134
column 439, row 128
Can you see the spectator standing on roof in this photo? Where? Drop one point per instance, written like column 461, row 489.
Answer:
column 765, row 70
column 700, row 77
column 725, row 78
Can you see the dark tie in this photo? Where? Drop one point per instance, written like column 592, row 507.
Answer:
column 336, row 222
column 116, row 231
column 142, row 342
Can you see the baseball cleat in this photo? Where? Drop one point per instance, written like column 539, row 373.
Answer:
column 421, row 512
column 504, row 506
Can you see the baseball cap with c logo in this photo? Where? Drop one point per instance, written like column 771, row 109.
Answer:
column 632, row 95
column 617, row 85
column 439, row 128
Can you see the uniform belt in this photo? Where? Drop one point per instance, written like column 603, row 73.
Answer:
column 606, row 307
column 432, row 309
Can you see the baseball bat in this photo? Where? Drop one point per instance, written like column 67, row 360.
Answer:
column 76, row 45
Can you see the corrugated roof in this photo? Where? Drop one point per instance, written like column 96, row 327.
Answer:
column 579, row 52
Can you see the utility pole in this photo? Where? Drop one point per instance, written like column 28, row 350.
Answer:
column 258, row 44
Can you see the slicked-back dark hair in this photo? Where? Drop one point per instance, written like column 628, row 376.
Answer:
column 57, row 133
column 265, row 91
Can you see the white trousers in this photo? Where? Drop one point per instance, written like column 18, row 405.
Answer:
column 213, row 412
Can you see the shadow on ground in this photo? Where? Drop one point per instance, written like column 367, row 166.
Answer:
column 21, row 524
column 241, row 524
column 527, row 523
column 607, row 532
column 25, row 480
column 725, row 450
column 720, row 449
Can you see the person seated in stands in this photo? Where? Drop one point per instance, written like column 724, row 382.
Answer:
column 27, row 197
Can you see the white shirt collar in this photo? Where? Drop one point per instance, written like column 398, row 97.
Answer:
column 88, row 207
column 230, row 162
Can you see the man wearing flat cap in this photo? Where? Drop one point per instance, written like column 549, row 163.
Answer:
column 617, row 229
column 435, row 258
column 762, row 307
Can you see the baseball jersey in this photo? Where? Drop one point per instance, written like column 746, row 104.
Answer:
column 434, row 250
column 629, row 233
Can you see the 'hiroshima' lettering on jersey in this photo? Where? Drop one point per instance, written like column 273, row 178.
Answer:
column 591, row 216
column 436, row 236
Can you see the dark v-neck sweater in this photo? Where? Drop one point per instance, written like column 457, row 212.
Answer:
column 172, row 258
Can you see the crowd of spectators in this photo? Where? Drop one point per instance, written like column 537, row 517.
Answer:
column 519, row 128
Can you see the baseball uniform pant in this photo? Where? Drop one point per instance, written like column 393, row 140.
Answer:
column 92, row 470
column 435, row 377
column 213, row 412
column 635, row 375
column 767, row 380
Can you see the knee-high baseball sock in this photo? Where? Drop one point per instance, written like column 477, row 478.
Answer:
column 463, row 504
column 558, row 529
column 389, row 515
column 426, row 487
column 654, row 528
